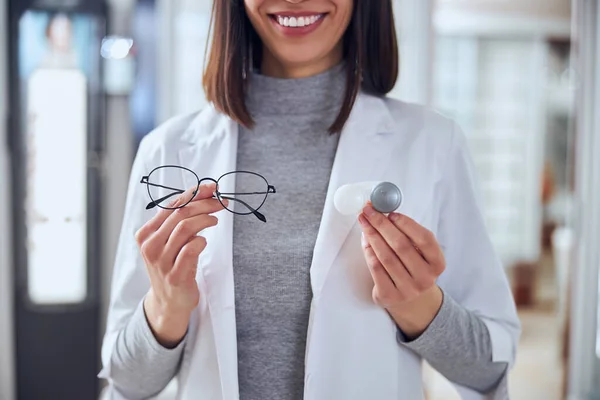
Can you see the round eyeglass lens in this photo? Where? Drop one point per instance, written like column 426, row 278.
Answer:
column 245, row 191
column 172, row 187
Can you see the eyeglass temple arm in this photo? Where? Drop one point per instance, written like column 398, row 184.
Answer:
column 269, row 191
column 154, row 203
column 258, row 215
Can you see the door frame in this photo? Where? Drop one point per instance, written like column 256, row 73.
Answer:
column 584, row 364
column 7, row 362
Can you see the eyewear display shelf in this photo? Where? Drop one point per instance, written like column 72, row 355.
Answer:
column 56, row 121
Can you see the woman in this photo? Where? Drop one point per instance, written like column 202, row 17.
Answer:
column 297, row 307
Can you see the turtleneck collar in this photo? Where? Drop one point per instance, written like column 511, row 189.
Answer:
column 318, row 94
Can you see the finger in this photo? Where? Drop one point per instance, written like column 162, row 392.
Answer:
column 186, row 230
column 202, row 192
column 148, row 239
column 379, row 221
column 151, row 226
column 385, row 291
column 206, row 191
column 424, row 276
column 173, row 223
column 186, row 264
column 413, row 261
column 386, row 256
column 364, row 242
column 161, row 216
column 421, row 237
column 393, row 236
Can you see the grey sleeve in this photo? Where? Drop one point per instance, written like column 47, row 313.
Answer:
column 141, row 367
column 458, row 345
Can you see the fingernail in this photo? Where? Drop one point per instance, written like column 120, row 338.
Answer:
column 363, row 242
column 369, row 211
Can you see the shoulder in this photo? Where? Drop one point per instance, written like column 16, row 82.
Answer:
column 170, row 131
column 187, row 129
column 420, row 119
column 420, row 126
column 439, row 139
column 404, row 118
column 182, row 130
column 427, row 137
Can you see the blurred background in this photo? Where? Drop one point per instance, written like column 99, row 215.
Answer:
column 82, row 81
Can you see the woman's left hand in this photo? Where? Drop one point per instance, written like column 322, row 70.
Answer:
column 405, row 261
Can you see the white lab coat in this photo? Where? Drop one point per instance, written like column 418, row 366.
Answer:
column 351, row 352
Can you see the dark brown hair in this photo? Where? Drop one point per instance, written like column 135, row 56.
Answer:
column 370, row 51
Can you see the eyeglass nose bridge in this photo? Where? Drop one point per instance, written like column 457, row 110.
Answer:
column 210, row 180
column 207, row 179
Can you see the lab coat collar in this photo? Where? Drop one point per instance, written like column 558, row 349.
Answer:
column 210, row 124
column 370, row 115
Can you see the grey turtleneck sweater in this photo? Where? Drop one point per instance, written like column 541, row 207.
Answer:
column 289, row 145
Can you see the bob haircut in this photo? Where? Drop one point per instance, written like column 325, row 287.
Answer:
column 370, row 51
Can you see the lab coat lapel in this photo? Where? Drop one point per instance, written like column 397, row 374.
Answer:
column 210, row 150
column 362, row 155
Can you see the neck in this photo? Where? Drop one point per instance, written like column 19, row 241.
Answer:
column 274, row 68
column 317, row 95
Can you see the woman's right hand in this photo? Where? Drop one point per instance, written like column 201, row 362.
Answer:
column 170, row 248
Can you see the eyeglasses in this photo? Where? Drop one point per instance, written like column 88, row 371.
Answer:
column 167, row 181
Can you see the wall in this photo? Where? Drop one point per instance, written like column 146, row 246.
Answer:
column 183, row 33
column 504, row 17
column 6, row 320
column 533, row 8
column 413, row 20
column 117, row 161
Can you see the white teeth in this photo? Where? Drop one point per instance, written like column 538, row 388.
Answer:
column 297, row 22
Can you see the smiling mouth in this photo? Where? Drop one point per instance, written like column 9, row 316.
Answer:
column 304, row 21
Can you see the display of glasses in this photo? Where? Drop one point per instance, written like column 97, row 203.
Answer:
column 493, row 87
column 55, row 59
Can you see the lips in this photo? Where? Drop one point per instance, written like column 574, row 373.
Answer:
column 297, row 21
column 297, row 24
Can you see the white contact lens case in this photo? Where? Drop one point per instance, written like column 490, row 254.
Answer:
column 385, row 197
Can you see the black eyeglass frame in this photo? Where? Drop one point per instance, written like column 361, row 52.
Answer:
column 218, row 195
